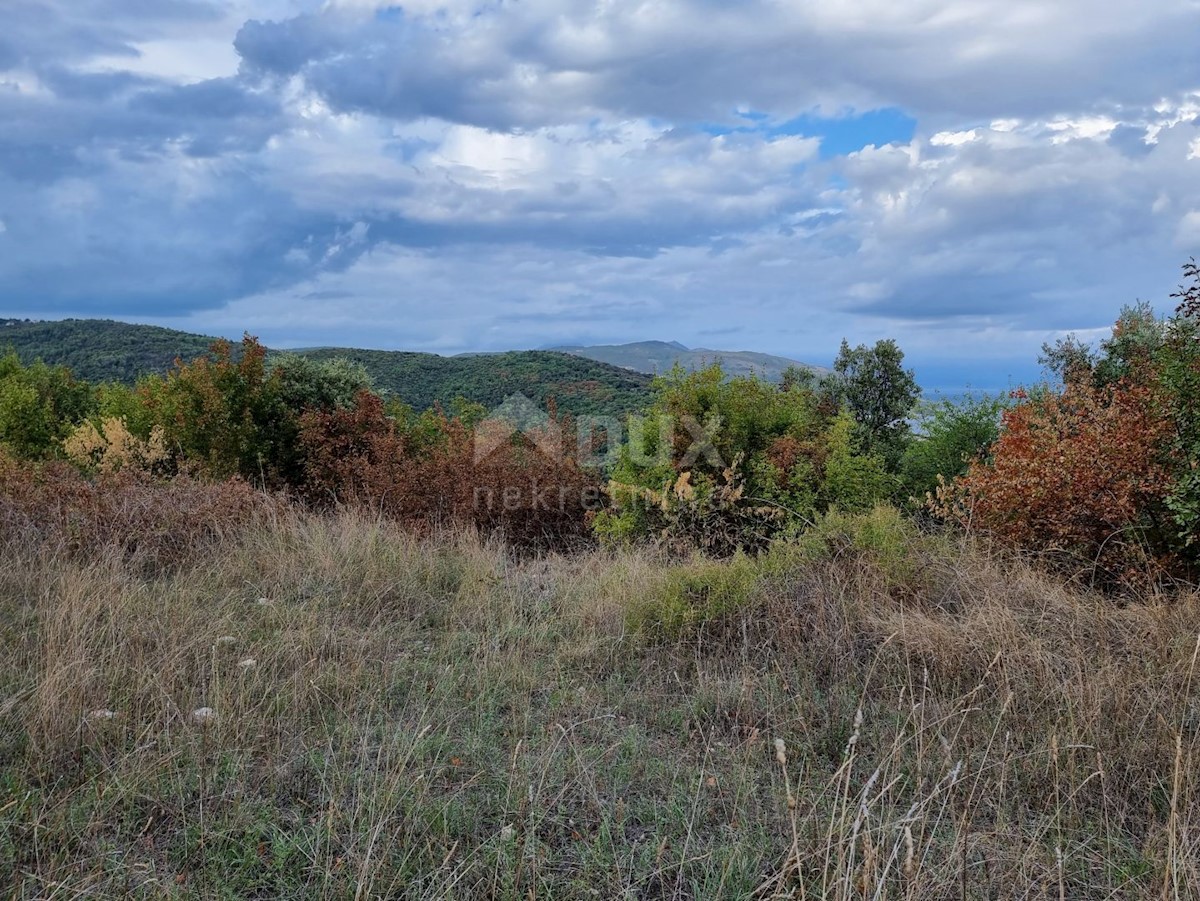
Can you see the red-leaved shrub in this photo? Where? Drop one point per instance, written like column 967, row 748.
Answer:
column 1083, row 472
column 528, row 486
column 153, row 522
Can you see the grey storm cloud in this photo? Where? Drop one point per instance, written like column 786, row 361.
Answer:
column 544, row 63
column 40, row 32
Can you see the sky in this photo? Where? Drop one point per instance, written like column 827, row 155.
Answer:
column 971, row 179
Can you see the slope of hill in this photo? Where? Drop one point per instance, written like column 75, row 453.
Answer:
column 579, row 386
column 99, row 350
column 659, row 356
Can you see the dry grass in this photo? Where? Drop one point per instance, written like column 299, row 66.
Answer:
column 435, row 718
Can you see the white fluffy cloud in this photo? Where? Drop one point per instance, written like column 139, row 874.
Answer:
column 456, row 175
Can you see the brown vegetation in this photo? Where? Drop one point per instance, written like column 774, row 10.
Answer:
column 867, row 712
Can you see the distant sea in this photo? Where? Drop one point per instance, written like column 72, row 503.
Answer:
column 958, row 395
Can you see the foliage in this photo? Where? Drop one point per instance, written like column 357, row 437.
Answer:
column 1132, row 351
column 110, row 447
column 702, row 468
column 881, row 538
column 155, row 523
column 1068, row 359
column 235, row 413
column 1188, row 295
column 1106, row 467
column 39, row 405
column 1178, row 380
column 853, row 481
column 880, row 393
column 732, row 464
column 1080, row 472
column 950, row 435
column 216, row 411
column 437, row 471
column 305, row 383
column 104, row 351
column 101, row 350
column 696, row 512
column 1137, row 338
column 580, row 387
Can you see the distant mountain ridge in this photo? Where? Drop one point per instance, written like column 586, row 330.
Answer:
column 609, row 380
column 656, row 357
column 101, row 350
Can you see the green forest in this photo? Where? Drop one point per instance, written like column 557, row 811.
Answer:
column 97, row 350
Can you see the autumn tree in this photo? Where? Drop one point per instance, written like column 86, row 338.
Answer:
column 1107, row 467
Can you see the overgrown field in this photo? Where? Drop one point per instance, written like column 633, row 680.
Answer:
column 864, row 712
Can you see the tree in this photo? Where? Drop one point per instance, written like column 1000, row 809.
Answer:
column 1107, row 466
column 732, row 464
column 1189, row 295
column 1068, row 359
column 880, row 393
column 39, row 406
column 1082, row 472
column 213, row 410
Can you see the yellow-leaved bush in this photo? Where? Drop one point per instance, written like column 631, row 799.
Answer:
column 111, row 447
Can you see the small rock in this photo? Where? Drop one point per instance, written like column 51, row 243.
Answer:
column 247, row 663
column 224, row 640
column 264, row 602
column 101, row 715
column 507, row 833
column 203, row 716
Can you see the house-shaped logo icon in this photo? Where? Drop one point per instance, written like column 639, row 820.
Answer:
column 518, row 416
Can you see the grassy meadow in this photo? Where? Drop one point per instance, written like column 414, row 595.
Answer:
column 329, row 706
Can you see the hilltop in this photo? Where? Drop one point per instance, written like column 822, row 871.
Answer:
column 654, row 357
column 101, row 350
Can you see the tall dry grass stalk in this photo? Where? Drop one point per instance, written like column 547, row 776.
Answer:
column 438, row 718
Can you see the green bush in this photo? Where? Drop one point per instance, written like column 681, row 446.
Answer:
column 39, row 406
column 726, row 465
column 882, row 538
column 694, row 593
column 950, row 435
column 853, row 482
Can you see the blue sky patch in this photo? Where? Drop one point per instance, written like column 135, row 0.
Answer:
column 839, row 135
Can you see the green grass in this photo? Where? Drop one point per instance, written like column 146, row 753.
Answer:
column 435, row 718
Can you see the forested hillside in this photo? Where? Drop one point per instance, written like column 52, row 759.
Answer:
column 101, row 350
column 579, row 386
column 97, row 350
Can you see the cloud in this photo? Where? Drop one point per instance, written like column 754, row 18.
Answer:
column 547, row 62
column 971, row 178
